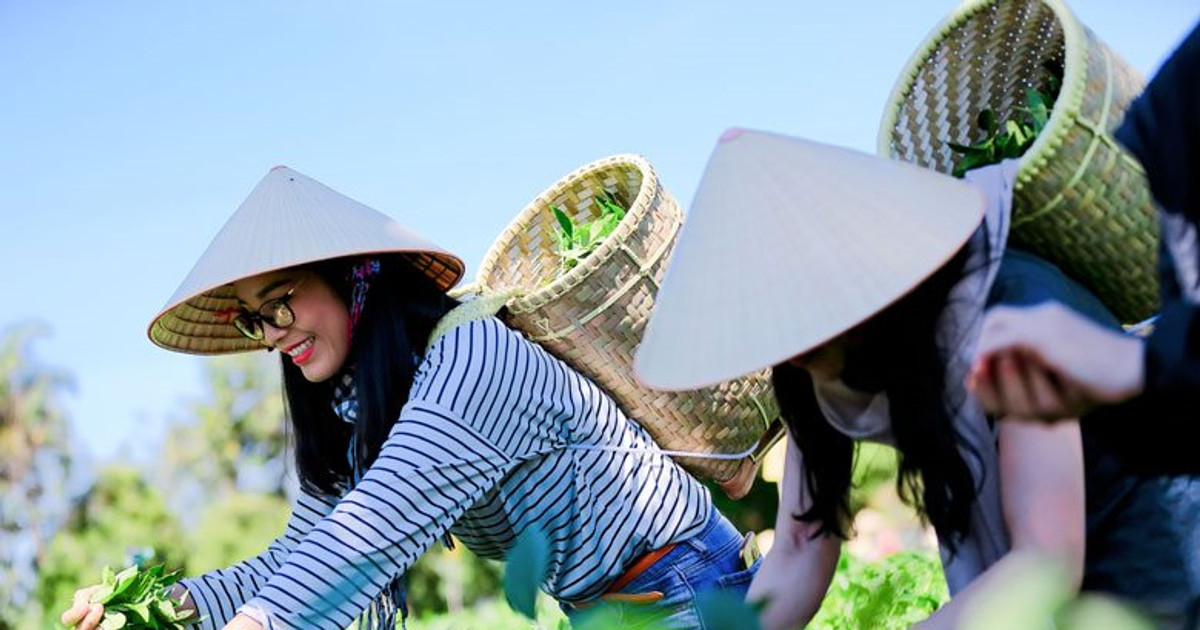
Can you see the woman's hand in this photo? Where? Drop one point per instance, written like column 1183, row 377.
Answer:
column 83, row 615
column 1048, row 362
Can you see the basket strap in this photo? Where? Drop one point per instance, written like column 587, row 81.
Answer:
column 659, row 451
column 483, row 306
column 756, row 451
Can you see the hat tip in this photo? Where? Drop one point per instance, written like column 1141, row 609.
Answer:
column 279, row 167
column 731, row 133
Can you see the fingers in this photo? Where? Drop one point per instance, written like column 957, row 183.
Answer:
column 93, row 617
column 1018, row 385
column 83, row 614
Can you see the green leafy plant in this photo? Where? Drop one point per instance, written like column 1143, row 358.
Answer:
column 138, row 599
column 1014, row 137
column 576, row 242
column 892, row 594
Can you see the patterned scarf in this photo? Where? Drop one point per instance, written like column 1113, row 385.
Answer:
column 360, row 274
column 381, row 614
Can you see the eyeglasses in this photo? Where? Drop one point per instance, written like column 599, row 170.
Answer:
column 275, row 312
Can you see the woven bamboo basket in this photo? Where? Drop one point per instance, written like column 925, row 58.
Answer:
column 593, row 315
column 1080, row 201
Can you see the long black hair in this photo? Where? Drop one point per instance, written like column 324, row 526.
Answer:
column 401, row 309
column 897, row 355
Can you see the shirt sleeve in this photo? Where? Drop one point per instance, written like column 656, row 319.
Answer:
column 1162, row 129
column 219, row 594
column 464, row 428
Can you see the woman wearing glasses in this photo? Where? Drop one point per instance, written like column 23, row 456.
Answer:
column 404, row 436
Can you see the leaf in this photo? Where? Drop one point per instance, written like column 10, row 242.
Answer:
column 961, row 148
column 564, row 221
column 112, row 621
column 1038, row 111
column 525, row 570
column 141, row 611
column 1014, row 133
column 987, row 121
column 125, row 579
column 101, row 595
column 583, row 234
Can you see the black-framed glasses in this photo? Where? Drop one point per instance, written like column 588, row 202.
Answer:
column 275, row 312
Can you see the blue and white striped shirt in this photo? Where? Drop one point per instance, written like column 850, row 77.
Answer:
column 497, row 436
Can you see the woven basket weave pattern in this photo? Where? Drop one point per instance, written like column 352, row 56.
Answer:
column 593, row 316
column 1081, row 201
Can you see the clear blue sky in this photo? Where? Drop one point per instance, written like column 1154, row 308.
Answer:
column 130, row 131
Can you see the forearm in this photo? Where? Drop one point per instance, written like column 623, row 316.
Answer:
column 793, row 580
column 1016, row 571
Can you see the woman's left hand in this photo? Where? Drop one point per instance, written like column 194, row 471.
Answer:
column 242, row 622
column 1049, row 362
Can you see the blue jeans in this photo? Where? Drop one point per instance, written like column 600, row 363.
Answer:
column 709, row 560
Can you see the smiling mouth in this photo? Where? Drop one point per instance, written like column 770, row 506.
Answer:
column 301, row 351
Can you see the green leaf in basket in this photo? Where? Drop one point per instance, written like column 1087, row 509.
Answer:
column 1038, row 111
column 564, row 221
column 1015, row 135
column 987, row 121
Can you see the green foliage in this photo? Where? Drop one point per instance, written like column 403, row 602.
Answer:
column 1031, row 591
column 1014, row 137
column 138, row 599
column 576, row 242
column 237, row 430
column 892, row 594
column 445, row 580
column 120, row 512
column 874, row 465
column 495, row 615
column 35, row 462
column 239, row 527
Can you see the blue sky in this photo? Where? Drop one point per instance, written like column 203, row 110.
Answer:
column 130, row 131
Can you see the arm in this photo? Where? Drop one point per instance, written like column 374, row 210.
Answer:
column 795, row 575
column 1042, row 491
column 1161, row 128
column 467, row 424
column 1051, row 362
column 218, row 595
column 430, row 470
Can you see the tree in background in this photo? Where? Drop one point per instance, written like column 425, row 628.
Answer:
column 235, row 528
column 121, row 519
column 234, row 439
column 35, row 464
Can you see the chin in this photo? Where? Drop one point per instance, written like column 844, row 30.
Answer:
column 316, row 373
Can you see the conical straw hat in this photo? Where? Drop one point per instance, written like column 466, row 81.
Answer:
column 288, row 219
column 788, row 244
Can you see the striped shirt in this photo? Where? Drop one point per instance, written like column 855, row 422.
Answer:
column 497, row 437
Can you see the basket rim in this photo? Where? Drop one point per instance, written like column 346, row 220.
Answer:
column 1062, row 115
column 606, row 249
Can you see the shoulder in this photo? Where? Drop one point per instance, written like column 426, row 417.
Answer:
column 474, row 362
column 1025, row 279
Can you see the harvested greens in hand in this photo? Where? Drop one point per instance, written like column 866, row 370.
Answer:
column 576, row 242
column 136, row 599
column 1014, row 137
